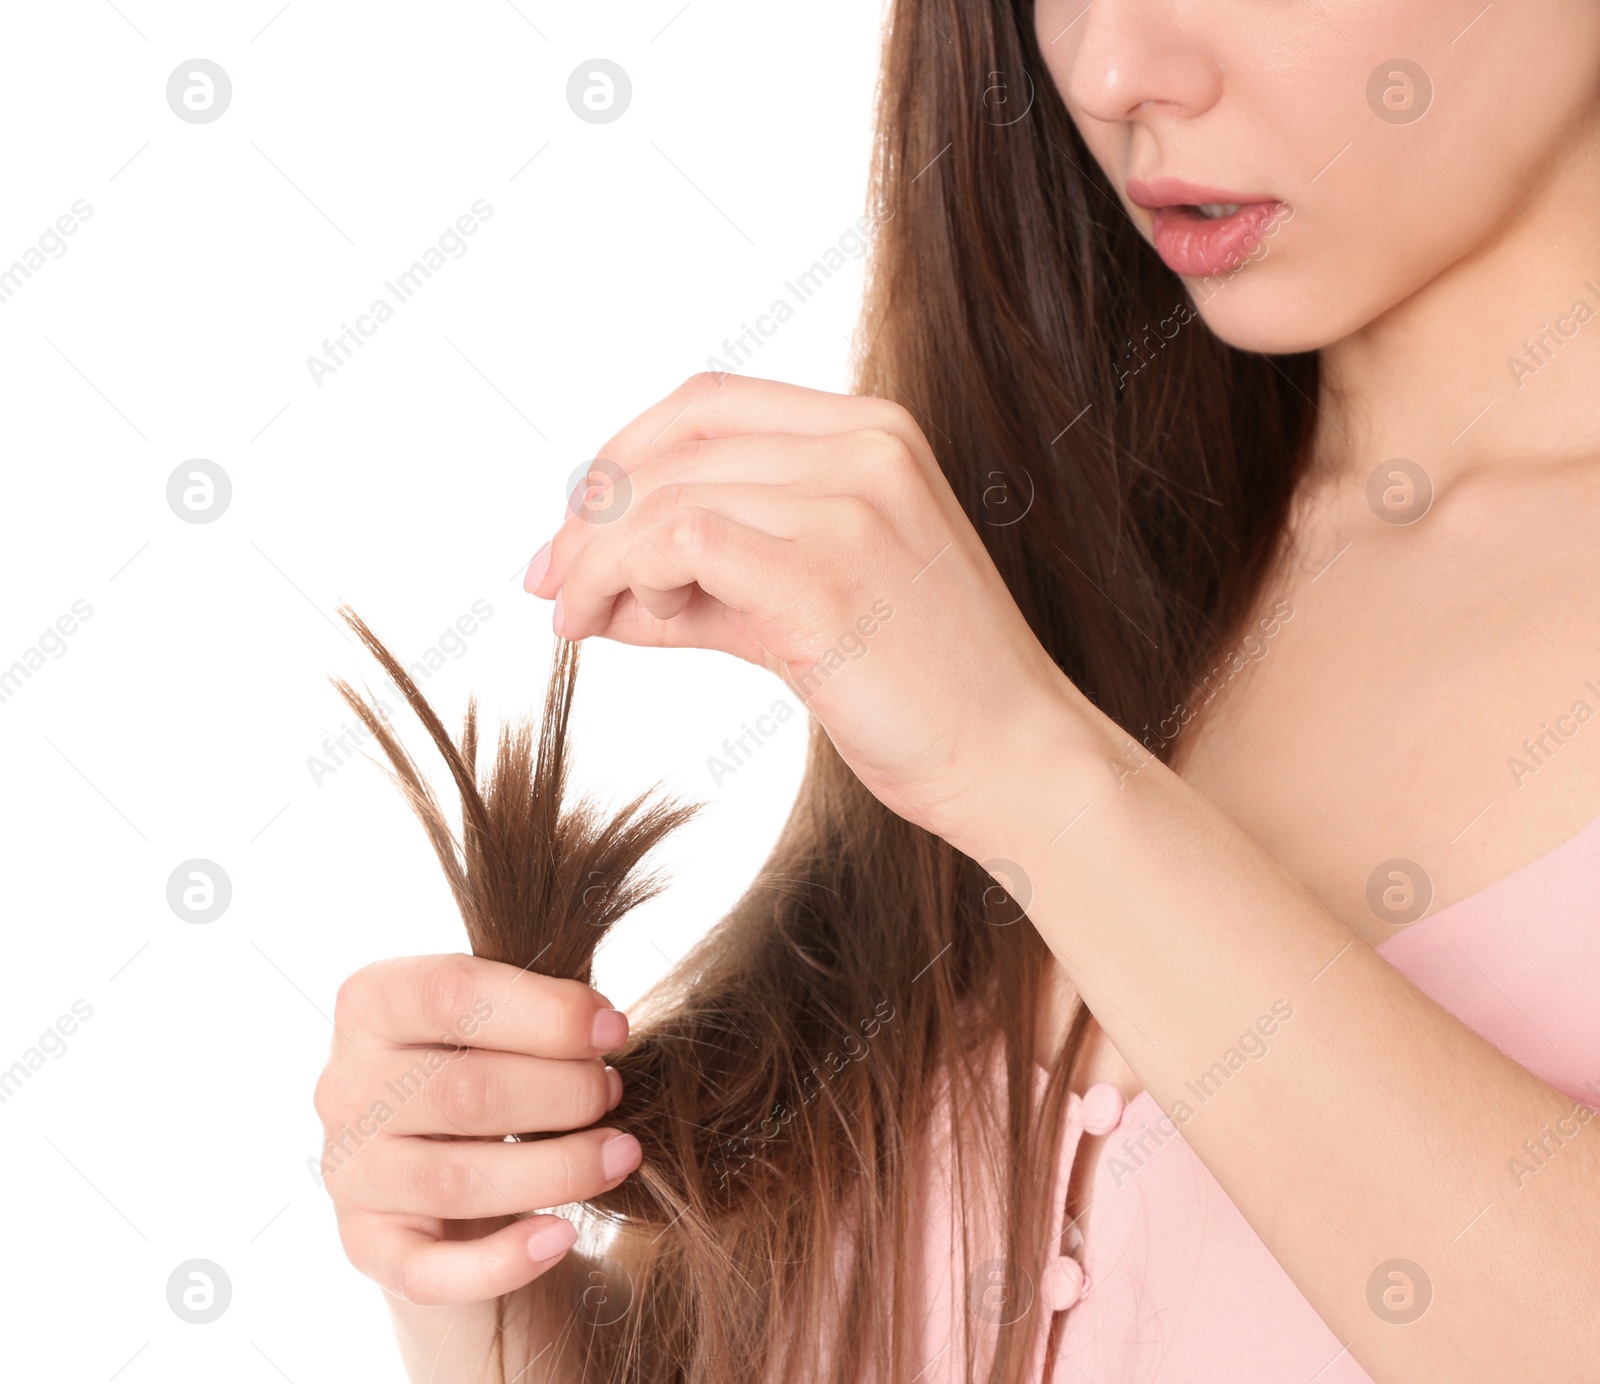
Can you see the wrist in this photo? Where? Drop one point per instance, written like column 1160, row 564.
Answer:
column 1048, row 758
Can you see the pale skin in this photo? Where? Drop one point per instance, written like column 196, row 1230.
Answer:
column 765, row 519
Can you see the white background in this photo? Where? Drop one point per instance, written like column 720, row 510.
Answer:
column 416, row 480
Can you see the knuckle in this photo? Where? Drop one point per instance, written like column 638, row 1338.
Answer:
column 448, row 987
column 570, row 1178
column 573, row 1014
column 695, row 531
column 438, row 1183
column 855, row 521
column 897, row 418
column 327, row 1097
column 587, row 1095
column 350, row 1000
column 662, row 501
column 702, row 383
column 465, row 1095
column 327, row 1166
column 615, row 450
column 885, row 452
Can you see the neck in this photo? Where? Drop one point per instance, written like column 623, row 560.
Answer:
column 1495, row 362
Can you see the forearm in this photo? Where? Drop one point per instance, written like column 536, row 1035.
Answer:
column 444, row 1342
column 1375, row 1126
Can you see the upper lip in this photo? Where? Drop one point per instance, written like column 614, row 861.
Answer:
column 1153, row 193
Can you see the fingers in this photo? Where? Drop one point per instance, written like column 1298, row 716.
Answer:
column 459, row 1046
column 468, row 1179
column 459, row 999
column 721, row 405
column 475, row 1092
column 875, row 440
column 773, row 458
column 768, row 508
column 744, row 466
column 703, row 623
column 418, row 1266
column 742, row 567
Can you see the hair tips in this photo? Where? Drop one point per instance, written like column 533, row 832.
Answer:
column 539, row 876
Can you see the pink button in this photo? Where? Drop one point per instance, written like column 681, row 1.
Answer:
column 1102, row 1108
column 1061, row 1284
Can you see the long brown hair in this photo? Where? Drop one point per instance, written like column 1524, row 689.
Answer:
column 1132, row 488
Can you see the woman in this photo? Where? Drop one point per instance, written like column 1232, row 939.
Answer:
column 1207, row 557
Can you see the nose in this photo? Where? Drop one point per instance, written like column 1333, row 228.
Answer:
column 1127, row 59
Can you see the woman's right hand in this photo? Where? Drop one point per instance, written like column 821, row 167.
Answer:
column 435, row 1059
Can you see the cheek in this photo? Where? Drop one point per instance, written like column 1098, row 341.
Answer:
column 1401, row 169
column 1049, row 18
column 1403, row 139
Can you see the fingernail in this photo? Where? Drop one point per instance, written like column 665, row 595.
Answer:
column 610, row 1030
column 555, row 615
column 618, row 1155
column 536, row 568
column 551, row 1237
column 614, row 1081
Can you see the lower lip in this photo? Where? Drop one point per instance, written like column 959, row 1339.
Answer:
column 1191, row 245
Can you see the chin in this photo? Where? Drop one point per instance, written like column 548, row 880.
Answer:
column 1270, row 309
column 1273, row 323
column 1271, row 299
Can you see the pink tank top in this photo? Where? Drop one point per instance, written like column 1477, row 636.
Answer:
column 1169, row 1284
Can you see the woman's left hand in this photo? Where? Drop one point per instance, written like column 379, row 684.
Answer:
column 814, row 534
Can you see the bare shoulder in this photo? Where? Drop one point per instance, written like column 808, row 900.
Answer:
column 1429, row 691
